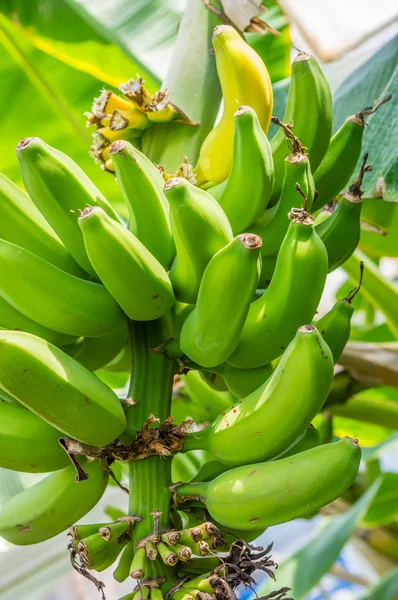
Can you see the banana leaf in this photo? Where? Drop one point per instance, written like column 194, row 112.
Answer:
column 385, row 589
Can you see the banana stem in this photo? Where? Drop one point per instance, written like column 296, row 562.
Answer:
column 150, row 390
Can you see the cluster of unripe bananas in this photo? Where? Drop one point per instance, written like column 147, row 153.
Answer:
column 72, row 275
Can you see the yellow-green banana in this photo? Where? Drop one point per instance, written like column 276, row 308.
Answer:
column 335, row 325
column 23, row 224
column 59, row 188
column 200, row 229
column 291, row 298
column 11, row 318
column 96, row 353
column 341, row 158
column 27, row 443
column 133, row 276
column 266, row 494
column 58, row 389
column 54, row 298
column 341, row 231
column 52, row 505
column 266, row 422
column 142, row 187
column 211, row 332
column 246, row 192
column 274, row 222
column 309, row 110
column 244, row 81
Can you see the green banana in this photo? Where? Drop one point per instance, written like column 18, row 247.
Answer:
column 59, row 188
column 122, row 570
column 59, row 390
column 244, row 81
column 291, row 298
column 54, row 298
column 23, row 224
column 142, row 187
column 307, row 440
column 242, row 382
column 133, row 276
column 211, row 332
column 335, row 325
column 247, row 191
column 11, row 318
column 309, row 109
column 179, row 312
column 266, row 422
column 341, row 231
column 274, row 222
column 207, row 401
column 266, row 494
column 96, row 353
column 341, row 157
column 27, row 443
column 52, row 505
column 208, row 471
column 200, row 229
column 214, row 381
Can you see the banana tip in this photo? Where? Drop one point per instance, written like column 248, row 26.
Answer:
column 25, row 142
column 354, row 441
column 243, row 110
column 117, row 147
column 172, row 182
column 87, row 211
column 218, row 29
column 250, row 241
column 307, row 329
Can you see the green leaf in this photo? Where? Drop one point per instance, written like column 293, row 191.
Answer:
column 384, row 589
column 378, row 406
column 383, row 509
column 304, row 568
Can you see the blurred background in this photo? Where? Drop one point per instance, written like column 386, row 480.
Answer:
column 55, row 57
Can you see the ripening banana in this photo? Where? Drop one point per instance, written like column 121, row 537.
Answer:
column 59, row 188
column 142, row 187
column 341, row 231
column 52, row 505
column 309, row 110
column 200, row 229
column 274, row 222
column 27, row 443
column 291, row 298
column 246, row 192
column 309, row 439
column 211, row 332
column 58, row 389
column 11, row 318
column 133, row 276
column 342, row 156
column 244, row 81
column 96, row 353
column 54, row 298
column 266, row 422
column 335, row 325
column 266, row 494
column 23, row 224
column 242, row 382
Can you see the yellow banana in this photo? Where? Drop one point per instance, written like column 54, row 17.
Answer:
column 58, row 389
column 52, row 505
column 244, row 81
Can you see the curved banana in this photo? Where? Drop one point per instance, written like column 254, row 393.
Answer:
column 244, row 81
column 11, row 318
column 52, row 505
column 266, row 422
column 246, row 192
column 211, row 332
column 266, row 494
column 341, row 231
column 54, row 298
column 200, row 229
column 142, row 187
column 274, row 222
column 27, row 443
column 133, row 276
column 291, row 298
column 58, row 389
column 342, row 156
column 23, row 224
column 242, row 382
column 307, row 440
column 179, row 313
column 96, row 353
column 59, row 188
column 309, row 109
column 335, row 325
column 208, row 403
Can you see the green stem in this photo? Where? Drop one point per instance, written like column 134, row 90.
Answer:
column 151, row 389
